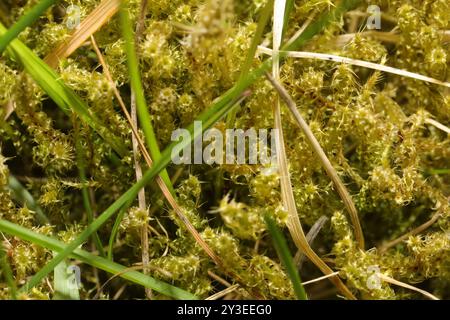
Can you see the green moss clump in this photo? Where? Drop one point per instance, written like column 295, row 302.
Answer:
column 374, row 127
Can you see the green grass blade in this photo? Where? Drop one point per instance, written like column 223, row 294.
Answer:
column 22, row 195
column 115, row 229
column 25, row 21
column 5, row 269
column 208, row 118
column 286, row 258
column 287, row 13
column 114, row 232
column 65, row 283
column 323, row 21
column 262, row 23
column 136, row 85
column 62, row 95
column 439, row 171
column 95, row 261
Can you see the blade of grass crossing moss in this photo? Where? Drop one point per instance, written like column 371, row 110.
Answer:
column 136, row 84
column 95, row 261
column 278, row 23
column 25, row 21
column 114, row 232
column 5, row 270
column 262, row 23
column 361, row 63
column 115, row 229
column 325, row 162
column 62, row 95
column 286, row 258
column 209, row 117
column 293, row 223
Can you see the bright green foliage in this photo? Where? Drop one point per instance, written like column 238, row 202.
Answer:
column 286, row 258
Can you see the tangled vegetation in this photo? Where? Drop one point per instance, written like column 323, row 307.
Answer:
column 68, row 154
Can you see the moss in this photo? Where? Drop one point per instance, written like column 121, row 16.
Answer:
column 373, row 126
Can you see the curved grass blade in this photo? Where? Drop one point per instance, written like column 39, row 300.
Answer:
column 262, row 23
column 25, row 21
column 360, row 63
column 286, row 258
column 95, row 261
column 294, row 225
column 326, row 164
column 62, row 95
column 115, row 230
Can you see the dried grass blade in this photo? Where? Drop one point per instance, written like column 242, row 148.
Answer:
column 93, row 22
column 359, row 63
column 342, row 190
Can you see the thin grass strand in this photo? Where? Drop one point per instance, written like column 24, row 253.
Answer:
column 355, row 62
